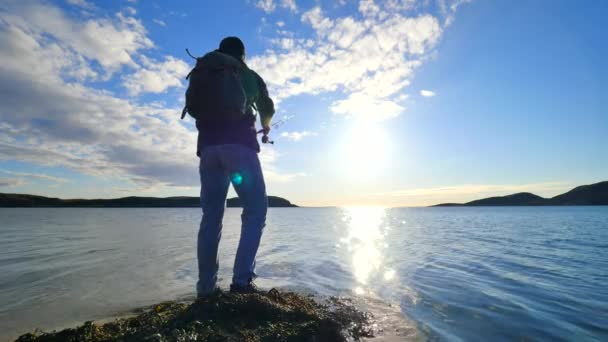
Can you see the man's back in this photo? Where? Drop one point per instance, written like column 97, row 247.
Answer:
column 241, row 131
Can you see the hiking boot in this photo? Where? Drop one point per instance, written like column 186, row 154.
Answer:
column 216, row 290
column 249, row 288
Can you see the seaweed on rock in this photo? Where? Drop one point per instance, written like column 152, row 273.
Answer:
column 223, row 316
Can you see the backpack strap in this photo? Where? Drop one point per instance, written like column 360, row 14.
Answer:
column 184, row 111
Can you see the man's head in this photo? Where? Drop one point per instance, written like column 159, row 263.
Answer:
column 234, row 47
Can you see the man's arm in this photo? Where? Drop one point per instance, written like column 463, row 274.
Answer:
column 264, row 105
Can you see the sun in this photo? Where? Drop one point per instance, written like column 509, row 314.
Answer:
column 364, row 150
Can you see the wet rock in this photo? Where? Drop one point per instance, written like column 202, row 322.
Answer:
column 263, row 316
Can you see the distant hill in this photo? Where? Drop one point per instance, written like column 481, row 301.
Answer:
column 273, row 201
column 522, row 198
column 593, row 194
column 23, row 200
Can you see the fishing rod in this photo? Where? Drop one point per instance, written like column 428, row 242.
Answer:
column 275, row 125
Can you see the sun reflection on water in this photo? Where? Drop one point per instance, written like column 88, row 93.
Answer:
column 365, row 242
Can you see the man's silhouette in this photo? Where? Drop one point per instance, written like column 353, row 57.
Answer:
column 228, row 154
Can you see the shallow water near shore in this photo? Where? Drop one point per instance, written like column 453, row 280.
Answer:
column 535, row 273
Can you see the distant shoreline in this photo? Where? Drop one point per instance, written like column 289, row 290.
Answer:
column 584, row 195
column 592, row 194
column 33, row 201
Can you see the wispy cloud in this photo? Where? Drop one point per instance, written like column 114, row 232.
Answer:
column 79, row 127
column 69, row 44
column 297, row 136
column 35, row 175
column 269, row 6
column 130, row 10
column 290, row 5
column 159, row 22
column 427, row 93
column 49, row 56
column 266, row 5
column 268, row 158
column 156, row 77
column 448, row 8
column 82, row 4
column 11, row 182
column 368, row 59
column 60, row 60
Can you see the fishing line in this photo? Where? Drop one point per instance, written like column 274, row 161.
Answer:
column 275, row 125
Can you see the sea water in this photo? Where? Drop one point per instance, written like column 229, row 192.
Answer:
column 470, row 274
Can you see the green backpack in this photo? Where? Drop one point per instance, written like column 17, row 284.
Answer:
column 215, row 91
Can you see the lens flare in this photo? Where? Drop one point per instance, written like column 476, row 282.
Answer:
column 236, row 178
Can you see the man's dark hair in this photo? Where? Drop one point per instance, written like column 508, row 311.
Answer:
column 234, row 47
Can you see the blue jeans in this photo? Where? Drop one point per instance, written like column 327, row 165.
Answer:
column 221, row 165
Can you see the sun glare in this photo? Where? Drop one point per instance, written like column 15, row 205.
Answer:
column 366, row 242
column 364, row 150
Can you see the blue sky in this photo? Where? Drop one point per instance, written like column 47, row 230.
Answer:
column 398, row 103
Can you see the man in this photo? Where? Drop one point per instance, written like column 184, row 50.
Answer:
column 228, row 154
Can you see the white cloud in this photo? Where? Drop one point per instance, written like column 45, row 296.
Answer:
column 316, row 19
column 49, row 117
column 46, row 55
column 369, row 8
column 400, row 5
column 367, row 107
column 285, row 43
column 11, row 182
column 156, row 77
column 49, row 121
column 35, row 175
column 26, row 52
column 266, row 5
column 109, row 41
column 290, row 5
column 367, row 60
column 427, row 93
column 269, row 6
column 130, row 10
column 159, row 22
column 297, row 136
column 94, row 133
column 82, row 4
column 448, row 9
column 268, row 156
column 401, row 98
column 345, row 31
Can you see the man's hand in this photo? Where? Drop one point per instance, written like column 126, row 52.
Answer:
column 265, row 131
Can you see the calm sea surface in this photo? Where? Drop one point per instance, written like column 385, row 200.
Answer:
column 471, row 274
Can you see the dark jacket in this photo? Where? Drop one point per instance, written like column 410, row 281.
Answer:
column 242, row 131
